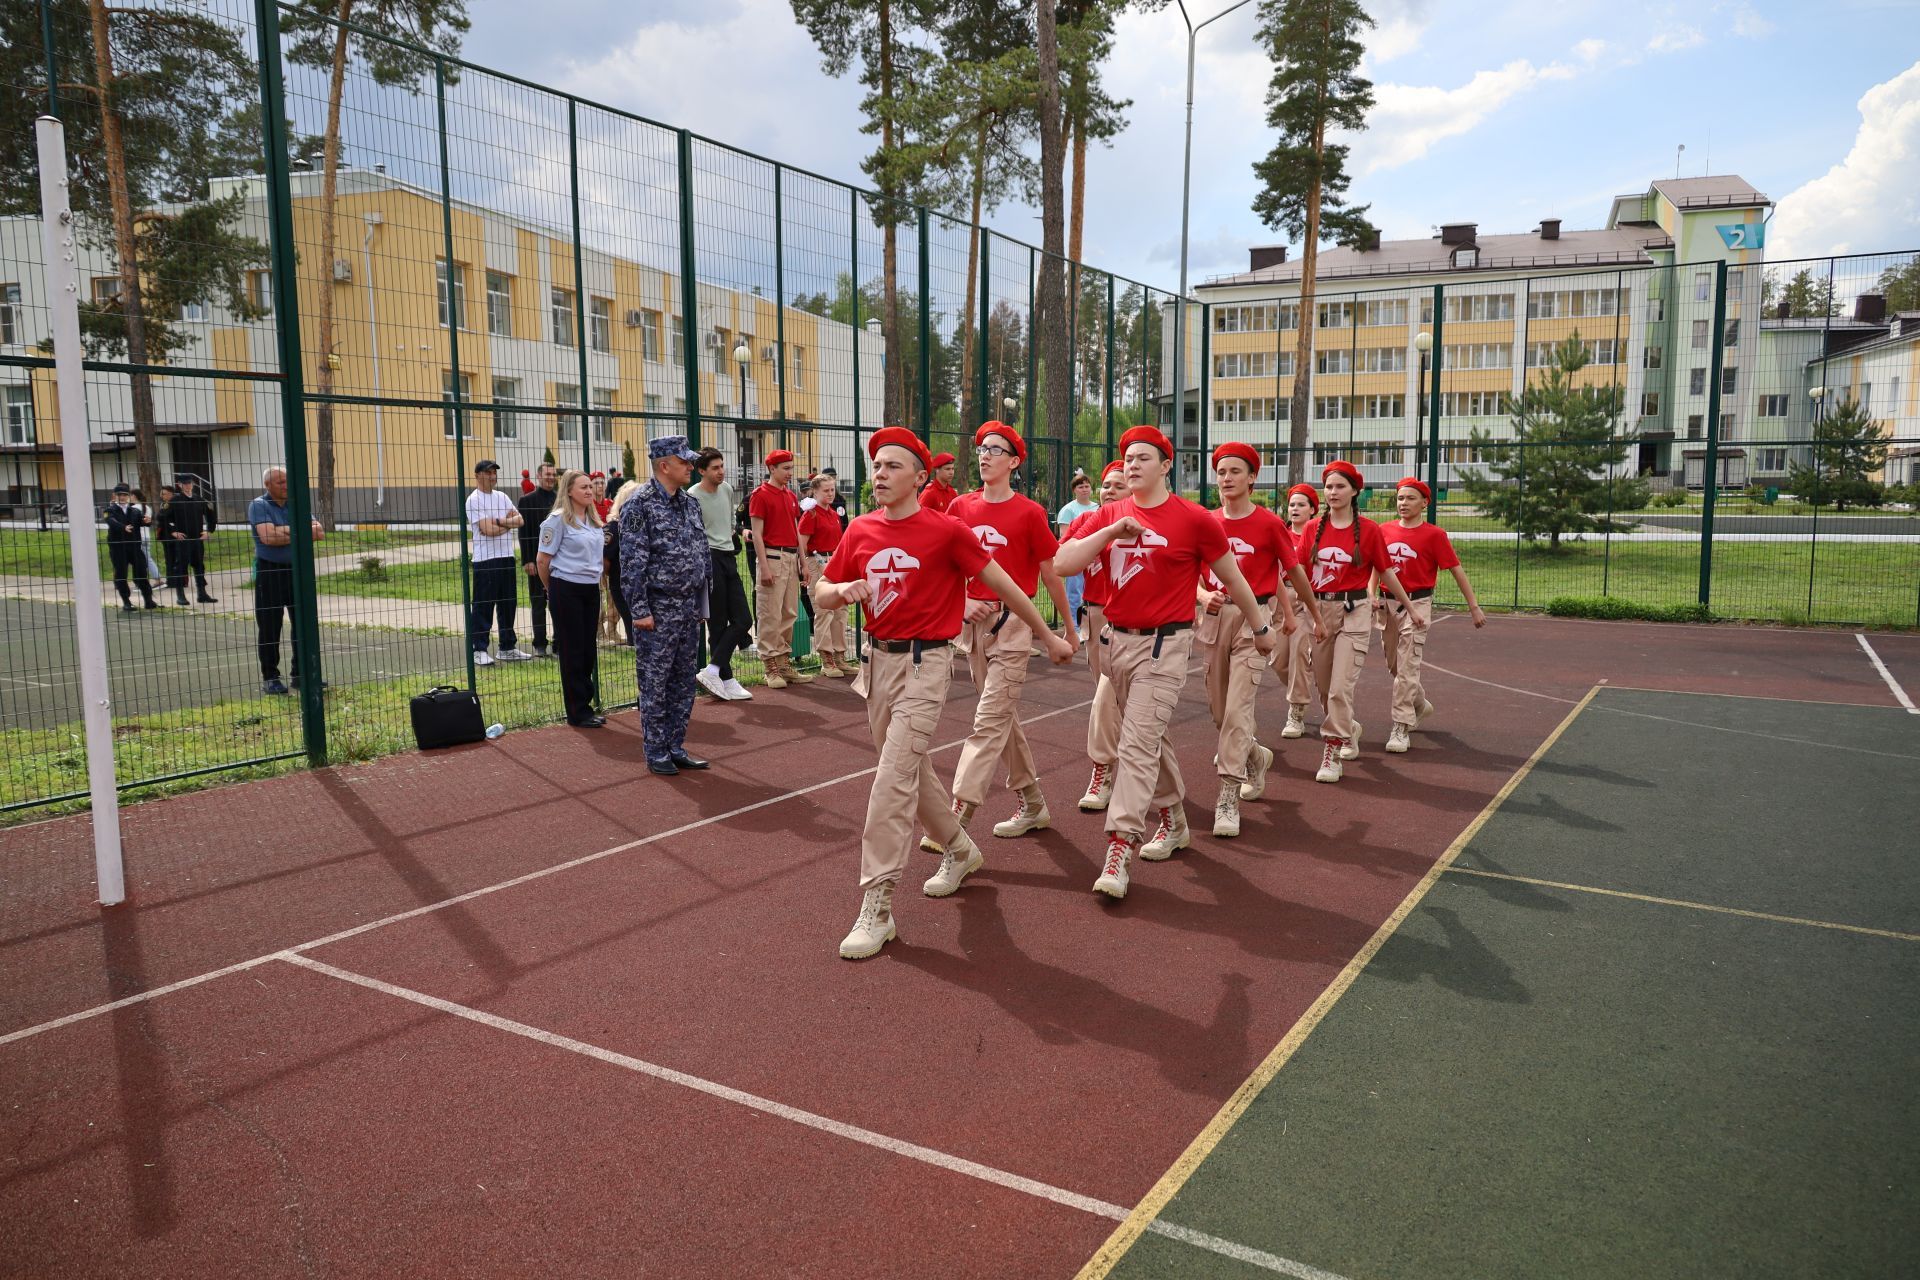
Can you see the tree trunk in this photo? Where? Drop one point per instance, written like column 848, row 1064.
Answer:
column 329, row 239
column 895, row 382
column 1303, row 350
column 146, row 449
column 970, row 412
column 1049, row 295
column 1079, row 150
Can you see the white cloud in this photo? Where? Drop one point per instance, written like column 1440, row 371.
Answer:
column 1871, row 199
column 1407, row 120
column 1399, row 28
column 1675, row 37
column 1589, row 51
column 1746, row 22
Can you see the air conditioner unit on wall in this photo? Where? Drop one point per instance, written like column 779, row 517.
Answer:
column 711, row 340
column 633, row 318
column 342, row 270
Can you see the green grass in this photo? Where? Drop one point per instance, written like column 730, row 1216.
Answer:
column 37, row 554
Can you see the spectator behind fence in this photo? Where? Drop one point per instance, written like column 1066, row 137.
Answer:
column 273, row 576
column 146, row 535
column 535, row 505
column 184, row 533
column 569, row 563
column 729, row 622
column 124, row 519
column 1082, row 503
column 493, row 518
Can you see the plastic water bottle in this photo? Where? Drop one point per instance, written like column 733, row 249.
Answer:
column 495, row 730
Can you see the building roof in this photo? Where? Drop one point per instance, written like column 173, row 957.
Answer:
column 1723, row 191
column 1615, row 247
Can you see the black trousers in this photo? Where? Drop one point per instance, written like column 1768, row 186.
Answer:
column 576, row 627
column 620, row 605
column 129, row 558
column 538, row 606
column 730, row 620
column 494, row 592
column 185, row 555
column 272, row 601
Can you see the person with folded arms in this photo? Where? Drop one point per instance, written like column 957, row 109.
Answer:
column 570, row 561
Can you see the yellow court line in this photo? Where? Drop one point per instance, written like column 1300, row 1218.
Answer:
column 1144, row 1213
column 1759, row 697
column 1682, row 902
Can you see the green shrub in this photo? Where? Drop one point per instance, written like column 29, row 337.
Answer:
column 1671, row 498
column 1608, row 607
column 373, row 569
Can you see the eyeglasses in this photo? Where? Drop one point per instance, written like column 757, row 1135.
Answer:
column 995, row 451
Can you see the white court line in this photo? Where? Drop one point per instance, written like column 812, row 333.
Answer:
column 1886, row 675
column 1529, row 693
column 812, row 1120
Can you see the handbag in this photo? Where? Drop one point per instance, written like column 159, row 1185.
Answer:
column 446, row 716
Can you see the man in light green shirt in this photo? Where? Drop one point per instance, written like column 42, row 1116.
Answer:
column 729, row 620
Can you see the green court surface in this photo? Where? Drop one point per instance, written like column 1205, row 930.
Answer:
column 1659, row 1019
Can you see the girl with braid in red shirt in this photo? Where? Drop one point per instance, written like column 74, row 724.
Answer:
column 1295, row 661
column 1344, row 552
column 1419, row 549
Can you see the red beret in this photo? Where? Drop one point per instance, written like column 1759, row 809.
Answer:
column 902, row 437
column 1414, row 482
column 1307, row 491
column 779, row 456
column 940, row 460
column 1239, row 449
column 1111, row 467
column 1144, row 434
column 1341, row 466
column 598, row 475
column 1002, row 429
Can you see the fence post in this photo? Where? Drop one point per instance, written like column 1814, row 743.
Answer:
column 1711, row 477
column 780, row 309
column 1033, row 349
column 293, row 400
column 859, row 448
column 1109, row 452
column 453, row 347
column 981, row 410
column 1200, row 409
column 579, row 295
column 53, row 73
column 925, row 410
column 690, row 298
column 1433, row 404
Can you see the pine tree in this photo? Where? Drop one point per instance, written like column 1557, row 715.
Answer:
column 1316, row 90
column 1806, row 296
column 1901, row 285
column 1553, row 478
column 1847, row 447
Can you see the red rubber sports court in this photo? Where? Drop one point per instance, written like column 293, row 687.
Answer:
column 1612, row 974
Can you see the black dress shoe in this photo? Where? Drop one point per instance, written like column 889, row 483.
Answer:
column 204, row 598
column 589, row 722
column 665, row 768
column 685, row 761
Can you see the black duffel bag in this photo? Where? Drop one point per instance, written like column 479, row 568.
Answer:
column 446, row 717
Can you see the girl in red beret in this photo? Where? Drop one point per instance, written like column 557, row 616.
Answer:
column 1419, row 549
column 1344, row 552
column 1303, row 503
column 1103, row 725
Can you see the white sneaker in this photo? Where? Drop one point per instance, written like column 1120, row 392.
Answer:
column 1330, row 766
column 956, row 864
column 1296, row 721
column 514, row 655
column 1032, row 816
column 1350, row 749
column 963, row 812
column 1226, row 812
column 1256, row 784
column 733, row 691
column 1099, row 789
column 481, row 658
column 873, row 929
column 1171, row 836
column 1425, row 709
column 709, row 679
column 1113, row 876
column 1397, row 740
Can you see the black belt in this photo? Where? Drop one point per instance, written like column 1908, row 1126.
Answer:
column 1349, row 596
column 1421, row 593
column 915, row 647
column 771, row 550
column 1166, row 629
column 1266, row 599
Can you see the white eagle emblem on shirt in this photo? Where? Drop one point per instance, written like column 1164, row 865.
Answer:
column 1133, row 555
column 1328, row 565
column 887, row 573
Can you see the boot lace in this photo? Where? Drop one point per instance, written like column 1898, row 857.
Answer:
column 1117, row 851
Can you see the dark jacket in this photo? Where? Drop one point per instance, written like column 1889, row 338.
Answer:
column 124, row 523
column 190, row 516
column 535, row 506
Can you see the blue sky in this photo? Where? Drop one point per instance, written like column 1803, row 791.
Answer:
column 1496, row 111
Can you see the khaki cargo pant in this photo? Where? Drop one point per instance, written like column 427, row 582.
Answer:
column 1103, row 725
column 1406, row 648
column 904, row 700
column 1337, row 663
column 1232, row 672
column 829, row 625
column 1146, row 776
column 998, row 661
column 776, row 602
column 1293, row 657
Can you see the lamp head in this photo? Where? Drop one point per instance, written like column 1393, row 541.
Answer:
column 1423, row 342
column 742, row 354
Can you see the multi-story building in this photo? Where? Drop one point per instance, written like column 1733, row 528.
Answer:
column 524, row 338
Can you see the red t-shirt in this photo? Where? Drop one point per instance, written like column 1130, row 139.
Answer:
column 1335, row 566
column 937, row 496
column 1015, row 533
column 918, row 569
column 821, row 525
column 1093, row 580
column 779, row 512
column 1419, row 553
column 1263, row 547
column 1154, row 575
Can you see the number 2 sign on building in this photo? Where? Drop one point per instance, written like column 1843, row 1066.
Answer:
column 1743, row 235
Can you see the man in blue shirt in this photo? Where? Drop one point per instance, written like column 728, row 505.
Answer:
column 273, row 575
column 664, row 569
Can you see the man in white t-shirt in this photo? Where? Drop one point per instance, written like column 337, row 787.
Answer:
column 492, row 518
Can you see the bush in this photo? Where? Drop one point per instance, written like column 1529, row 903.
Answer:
column 1632, row 495
column 1671, row 498
column 1608, row 607
column 373, row 569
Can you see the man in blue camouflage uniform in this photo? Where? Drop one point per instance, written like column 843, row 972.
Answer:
column 664, row 568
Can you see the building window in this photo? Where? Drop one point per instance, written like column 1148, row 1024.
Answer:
column 1700, row 335
column 566, row 403
column 447, row 415
column 506, row 422
column 1696, row 425
column 679, row 341
column 106, row 290
column 1702, row 285
column 561, row 307
column 1726, row 426
column 1326, row 407
column 1334, row 315
column 776, row 363
column 1650, row 358
column 1256, row 318
column 799, row 368
column 499, row 304
column 1697, row 382
column 193, row 312
column 1390, row 406
column 652, row 404
column 600, row 323
column 260, row 292
column 19, row 409
column 9, row 315
column 1387, row 311
column 1729, row 380
column 1774, row 406
column 1770, row 460
column 1480, row 355
column 1466, row 257
column 650, row 336
column 1736, row 280
column 1469, row 308
column 1381, row 360
column 1338, row 360
column 458, row 301
column 1732, row 334
column 1656, row 310
column 602, row 422
column 1543, row 355
column 1650, row 404
column 1474, row 404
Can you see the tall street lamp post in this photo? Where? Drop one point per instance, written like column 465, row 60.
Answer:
column 1423, row 343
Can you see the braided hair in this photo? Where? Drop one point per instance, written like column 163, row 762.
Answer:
column 1320, row 529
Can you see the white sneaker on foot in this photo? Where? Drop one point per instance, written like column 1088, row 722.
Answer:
column 1256, row 784
column 1099, row 789
column 709, row 679
column 873, row 929
column 956, row 864
column 1113, row 876
column 733, row 691
column 1171, row 835
column 1397, row 739
column 963, row 812
column 1032, row 816
column 1296, row 726
column 1350, row 749
column 481, row 658
column 514, row 655
column 1226, row 811
column 1330, row 766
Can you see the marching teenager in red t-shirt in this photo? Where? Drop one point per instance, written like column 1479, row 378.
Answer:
column 774, row 513
column 1154, row 543
column 1103, row 725
column 1013, row 529
column 940, row 493
column 1344, row 552
column 908, row 568
column 819, row 534
column 1295, row 663
column 1419, row 549
column 1263, row 547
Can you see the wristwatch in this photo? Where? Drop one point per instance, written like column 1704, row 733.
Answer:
column 1264, row 628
